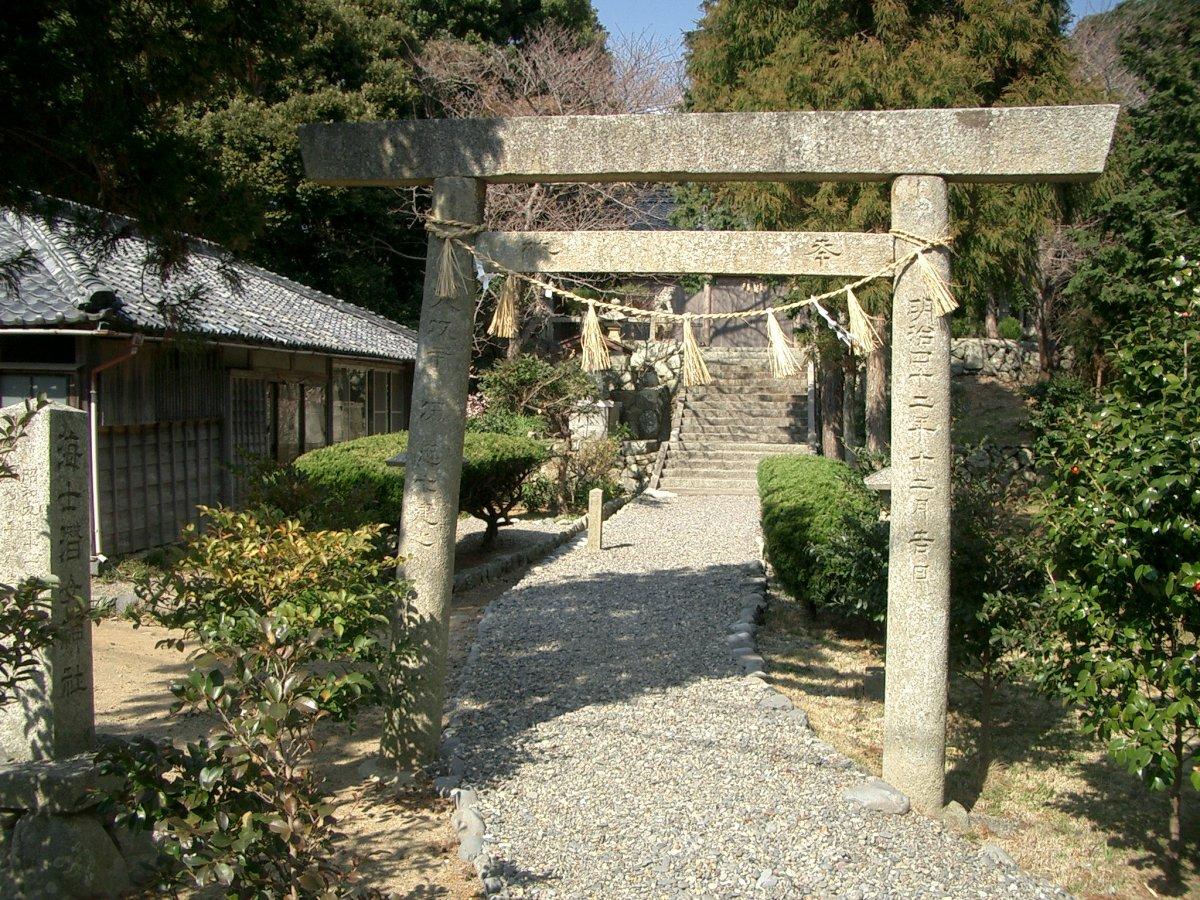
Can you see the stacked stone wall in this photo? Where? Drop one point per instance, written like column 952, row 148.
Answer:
column 999, row 358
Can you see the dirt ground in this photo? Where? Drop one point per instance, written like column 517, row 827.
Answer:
column 400, row 835
column 1052, row 798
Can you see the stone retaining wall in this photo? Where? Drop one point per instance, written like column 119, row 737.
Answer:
column 54, row 842
column 995, row 358
column 644, row 383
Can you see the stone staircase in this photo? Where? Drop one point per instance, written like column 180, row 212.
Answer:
column 724, row 428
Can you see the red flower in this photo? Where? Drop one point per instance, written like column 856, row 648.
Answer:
column 1075, row 470
column 1196, row 587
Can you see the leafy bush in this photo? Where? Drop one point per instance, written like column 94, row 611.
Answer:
column 1121, row 514
column 494, row 468
column 580, row 469
column 1059, row 398
column 823, row 534
column 291, row 623
column 993, row 576
column 531, row 386
column 497, row 420
column 1010, row 329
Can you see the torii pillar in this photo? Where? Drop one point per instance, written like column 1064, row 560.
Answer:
column 919, row 151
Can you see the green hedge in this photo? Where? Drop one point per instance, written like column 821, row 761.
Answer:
column 822, row 532
column 494, row 468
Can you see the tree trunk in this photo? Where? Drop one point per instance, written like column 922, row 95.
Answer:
column 879, row 414
column 850, row 436
column 491, row 532
column 1175, row 832
column 832, row 385
column 1045, row 341
column 991, row 317
column 987, row 692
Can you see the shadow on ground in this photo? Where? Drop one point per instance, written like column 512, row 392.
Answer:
column 1040, row 757
column 602, row 639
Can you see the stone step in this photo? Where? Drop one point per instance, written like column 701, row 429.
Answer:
column 733, row 454
column 695, row 442
column 696, row 417
column 746, row 382
column 710, row 488
column 751, row 432
column 727, row 392
column 729, row 407
column 713, row 471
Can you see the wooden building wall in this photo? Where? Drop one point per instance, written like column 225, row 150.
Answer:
column 177, row 422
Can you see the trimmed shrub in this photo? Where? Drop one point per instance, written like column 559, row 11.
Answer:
column 823, row 534
column 494, row 468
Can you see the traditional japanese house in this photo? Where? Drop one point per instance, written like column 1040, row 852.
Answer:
column 185, row 377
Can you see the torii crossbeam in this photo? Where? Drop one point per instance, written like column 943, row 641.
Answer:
column 919, row 151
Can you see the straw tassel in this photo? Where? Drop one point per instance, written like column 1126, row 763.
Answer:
column 595, row 351
column 862, row 329
column 943, row 301
column 448, row 274
column 695, row 372
column 783, row 356
column 504, row 319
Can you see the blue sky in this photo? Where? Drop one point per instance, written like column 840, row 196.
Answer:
column 669, row 19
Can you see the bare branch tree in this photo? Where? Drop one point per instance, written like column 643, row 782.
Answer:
column 553, row 73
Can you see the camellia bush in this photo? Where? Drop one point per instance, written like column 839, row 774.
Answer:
column 1118, row 625
column 494, row 468
column 292, row 627
column 823, row 535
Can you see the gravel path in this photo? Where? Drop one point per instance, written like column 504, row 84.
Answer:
column 618, row 751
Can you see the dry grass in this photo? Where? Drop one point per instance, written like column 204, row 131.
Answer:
column 1063, row 810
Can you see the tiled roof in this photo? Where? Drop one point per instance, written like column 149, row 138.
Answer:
column 61, row 285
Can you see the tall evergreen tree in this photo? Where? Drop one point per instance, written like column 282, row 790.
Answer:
column 1151, row 205
column 886, row 54
column 183, row 115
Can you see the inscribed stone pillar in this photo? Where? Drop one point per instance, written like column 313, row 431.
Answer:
column 44, row 534
column 431, row 482
column 918, row 610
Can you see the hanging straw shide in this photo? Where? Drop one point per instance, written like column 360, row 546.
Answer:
column 943, row 301
column 595, row 351
column 784, row 362
column 695, row 372
column 862, row 329
column 504, row 319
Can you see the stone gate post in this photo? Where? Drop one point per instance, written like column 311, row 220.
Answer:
column 44, row 533
column 431, row 484
column 914, row 742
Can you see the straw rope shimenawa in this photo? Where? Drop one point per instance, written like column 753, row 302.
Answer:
column 782, row 355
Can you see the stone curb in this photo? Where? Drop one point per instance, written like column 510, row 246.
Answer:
column 468, row 823
column 741, row 644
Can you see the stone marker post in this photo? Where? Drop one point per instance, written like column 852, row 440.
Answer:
column 595, row 519
column 431, row 484
column 44, row 533
column 914, row 741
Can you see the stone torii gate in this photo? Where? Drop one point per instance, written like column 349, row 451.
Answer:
column 919, row 151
